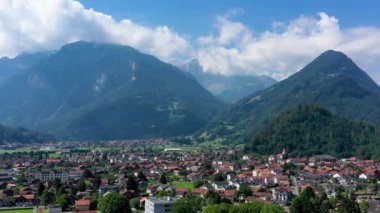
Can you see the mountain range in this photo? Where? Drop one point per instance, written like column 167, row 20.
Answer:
column 103, row 91
column 229, row 89
column 332, row 81
column 92, row 91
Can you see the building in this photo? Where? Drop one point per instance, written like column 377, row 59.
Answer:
column 82, row 205
column 52, row 175
column 157, row 205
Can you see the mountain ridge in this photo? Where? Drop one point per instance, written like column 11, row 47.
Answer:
column 332, row 80
column 227, row 88
column 116, row 88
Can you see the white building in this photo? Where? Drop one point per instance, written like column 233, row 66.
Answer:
column 52, row 175
column 157, row 205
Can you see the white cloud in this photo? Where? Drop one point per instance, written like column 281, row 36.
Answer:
column 35, row 25
column 236, row 49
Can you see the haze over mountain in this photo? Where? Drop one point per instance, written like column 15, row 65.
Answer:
column 22, row 135
column 332, row 81
column 228, row 88
column 103, row 91
column 10, row 67
column 307, row 130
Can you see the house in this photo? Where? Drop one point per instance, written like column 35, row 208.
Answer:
column 200, row 192
column 83, row 204
column 106, row 188
column 363, row 176
column 262, row 196
column 25, row 200
column 194, row 176
column 281, row 195
column 151, row 189
column 130, row 193
column 181, row 192
column 228, row 194
column 220, row 185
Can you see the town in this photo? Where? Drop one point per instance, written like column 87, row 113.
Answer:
column 71, row 176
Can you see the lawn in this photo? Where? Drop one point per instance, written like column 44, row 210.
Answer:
column 189, row 185
column 2, row 151
column 54, row 155
column 19, row 211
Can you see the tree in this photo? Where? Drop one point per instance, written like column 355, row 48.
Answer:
column 134, row 203
column 245, row 191
column 213, row 198
column 87, row 174
column 46, row 198
column 81, row 185
column 141, row 176
column 308, row 201
column 253, row 207
column 207, row 165
column 114, row 202
column 163, row 179
column 9, row 201
column 21, row 179
column 132, row 183
column 218, row 177
column 97, row 181
column 305, row 202
column 63, row 201
column 41, row 189
column 364, row 205
column 162, row 193
column 221, row 208
column 187, row 205
column 349, row 204
column 57, row 184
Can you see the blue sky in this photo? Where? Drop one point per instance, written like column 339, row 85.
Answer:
column 197, row 17
column 250, row 37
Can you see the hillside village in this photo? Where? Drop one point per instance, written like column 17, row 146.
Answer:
column 67, row 179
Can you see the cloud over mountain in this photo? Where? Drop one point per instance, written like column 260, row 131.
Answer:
column 35, row 25
column 234, row 48
column 284, row 49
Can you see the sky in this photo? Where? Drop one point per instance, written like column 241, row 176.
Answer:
column 254, row 37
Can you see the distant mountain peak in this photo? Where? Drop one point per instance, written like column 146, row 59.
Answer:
column 329, row 58
column 331, row 64
column 332, row 80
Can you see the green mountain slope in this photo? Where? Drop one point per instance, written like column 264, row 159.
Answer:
column 13, row 66
column 332, row 80
column 227, row 88
column 307, row 130
column 104, row 91
column 22, row 135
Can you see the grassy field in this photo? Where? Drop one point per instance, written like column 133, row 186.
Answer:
column 17, row 211
column 189, row 185
column 20, row 211
column 2, row 151
column 54, row 155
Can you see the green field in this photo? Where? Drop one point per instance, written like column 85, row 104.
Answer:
column 54, row 155
column 189, row 185
column 2, row 151
column 20, row 211
column 17, row 211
